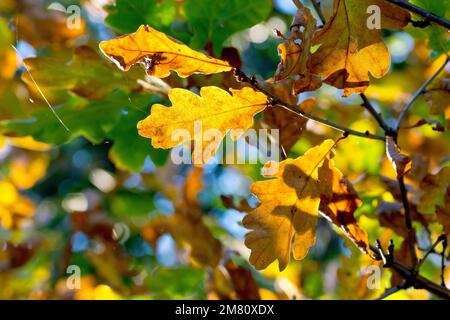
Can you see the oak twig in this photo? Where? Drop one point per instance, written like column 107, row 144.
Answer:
column 417, row 94
column 242, row 77
column 428, row 16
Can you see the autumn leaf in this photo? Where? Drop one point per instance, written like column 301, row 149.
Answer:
column 160, row 54
column 289, row 209
column 295, row 52
column 349, row 50
column 401, row 163
column 434, row 189
column 287, row 216
column 215, row 109
column 439, row 99
column 390, row 215
column 339, row 201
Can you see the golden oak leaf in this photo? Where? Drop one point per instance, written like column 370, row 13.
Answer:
column 339, row 202
column 295, row 52
column 215, row 112
column 287, row 216
column 434, row 189
column 349, row 50
column 401, row 163
column 160, row 54
column 289, row 209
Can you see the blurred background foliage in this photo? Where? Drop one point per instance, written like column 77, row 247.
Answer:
column 99, row 197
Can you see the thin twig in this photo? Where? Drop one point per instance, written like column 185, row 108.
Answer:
column 377, row 115
column 408, row 221
column 417, row 94
column 440, row 239
column 411, row 277
column 444, row 248
column 242, row 77
column 393, row 290
column 428, row 16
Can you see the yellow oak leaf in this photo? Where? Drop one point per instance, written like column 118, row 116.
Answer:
column 205, row 118
column 402, row 163
column 350, row 50
column 160, row 54
column 287, row 216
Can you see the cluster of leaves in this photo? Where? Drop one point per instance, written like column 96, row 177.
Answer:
column 80, row 180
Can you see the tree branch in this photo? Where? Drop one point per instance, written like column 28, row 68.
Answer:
column 412, row 278
column 408, row 221
column 428, row 16
column 378, row 117
column 417, row 94
column 242, row 77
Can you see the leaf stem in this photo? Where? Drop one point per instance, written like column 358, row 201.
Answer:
column 428, row 16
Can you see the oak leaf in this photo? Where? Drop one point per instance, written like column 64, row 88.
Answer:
column 160, row 54
column 295, row 52
column 191, row 115
column 434, row 189
column 401, row 163
column 287, row 216
column 349, row 50
column 339, row 201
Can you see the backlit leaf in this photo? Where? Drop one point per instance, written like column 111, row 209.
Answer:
column 160, row 54
column 191, row 115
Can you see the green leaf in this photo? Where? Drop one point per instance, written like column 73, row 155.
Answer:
column 126, row 204
column 86, row 74
column 437, row 36
column 114, row 118
column 216, row 20
column 127, row 15
column 178, row 283
column 130, row 149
